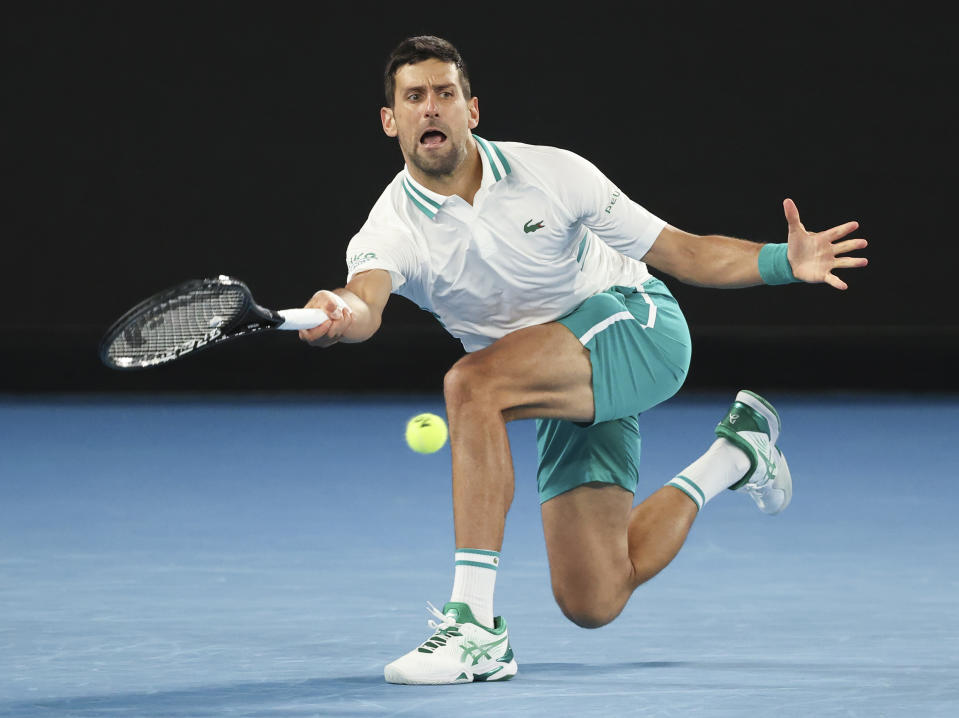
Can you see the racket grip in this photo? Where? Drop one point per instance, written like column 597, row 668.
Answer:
column 301, row 318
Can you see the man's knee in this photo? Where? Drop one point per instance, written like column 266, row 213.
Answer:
column 467, row 381
column 591, row 609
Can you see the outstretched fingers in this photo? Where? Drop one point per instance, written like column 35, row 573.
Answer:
column 841, row 231
column 814, row 256
column 849, row 245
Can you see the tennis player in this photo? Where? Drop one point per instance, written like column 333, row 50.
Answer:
column 539, row 264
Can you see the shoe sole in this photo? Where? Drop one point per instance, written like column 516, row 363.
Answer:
column 499, row 672
column 503, row 672
column 784, row 482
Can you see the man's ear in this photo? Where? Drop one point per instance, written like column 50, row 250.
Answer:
column 473, row 106
column 388, row 121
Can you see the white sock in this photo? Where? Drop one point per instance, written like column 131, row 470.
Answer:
column 719, row 468
column 474, row 580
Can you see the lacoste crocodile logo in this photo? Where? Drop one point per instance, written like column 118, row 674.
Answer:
column 530, row 227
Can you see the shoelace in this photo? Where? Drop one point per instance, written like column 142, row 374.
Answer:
column 444, row 619
column 756, row 489
column 443, row 628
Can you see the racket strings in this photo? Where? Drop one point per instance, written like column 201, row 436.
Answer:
column 179, row 324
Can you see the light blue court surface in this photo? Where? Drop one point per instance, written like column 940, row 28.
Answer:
column 266, row 558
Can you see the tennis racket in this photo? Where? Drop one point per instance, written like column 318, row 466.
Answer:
column 192, row 316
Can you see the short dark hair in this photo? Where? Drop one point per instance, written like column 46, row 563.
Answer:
column 419, row 48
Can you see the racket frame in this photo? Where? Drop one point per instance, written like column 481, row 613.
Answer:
column 251, row 319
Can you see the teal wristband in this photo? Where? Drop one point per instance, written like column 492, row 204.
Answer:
column 774, row 265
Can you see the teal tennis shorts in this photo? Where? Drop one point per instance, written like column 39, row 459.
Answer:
column 639, row 348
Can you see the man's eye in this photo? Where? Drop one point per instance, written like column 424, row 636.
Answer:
column 413, row 96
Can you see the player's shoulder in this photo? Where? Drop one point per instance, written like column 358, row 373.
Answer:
column 543, row 161
column 388, row 218
column 390, row 206
column 388, row 201
column 545, row 154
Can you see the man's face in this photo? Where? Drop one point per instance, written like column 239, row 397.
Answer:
column 430, row 117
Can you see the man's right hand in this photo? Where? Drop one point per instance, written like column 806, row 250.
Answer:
column 340, row 319
column 355, row 311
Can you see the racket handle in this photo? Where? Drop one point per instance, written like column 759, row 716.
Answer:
column 301, row 318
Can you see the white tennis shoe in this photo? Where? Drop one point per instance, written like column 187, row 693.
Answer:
column 459, row 651
column 753, row 424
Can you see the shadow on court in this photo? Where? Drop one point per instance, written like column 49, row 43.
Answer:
column 309, row 697
column 292, row 698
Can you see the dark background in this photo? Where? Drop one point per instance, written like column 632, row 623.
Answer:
column 144, row 144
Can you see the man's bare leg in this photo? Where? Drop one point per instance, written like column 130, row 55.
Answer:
column 542, row 371
column 600, row 549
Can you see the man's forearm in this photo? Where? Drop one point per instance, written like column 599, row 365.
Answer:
column 723, row 262
column 365, row 321
column 710, row 260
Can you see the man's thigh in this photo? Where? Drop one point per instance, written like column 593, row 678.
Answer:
column 539, row 371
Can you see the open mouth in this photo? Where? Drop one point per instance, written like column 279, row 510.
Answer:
column 432, row 138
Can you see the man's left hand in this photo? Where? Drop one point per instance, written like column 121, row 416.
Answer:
column 814, row 255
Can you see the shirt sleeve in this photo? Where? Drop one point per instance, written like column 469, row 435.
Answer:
column 382, row 244
column 601, row 206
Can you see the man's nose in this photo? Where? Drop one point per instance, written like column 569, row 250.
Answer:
column 432, row 109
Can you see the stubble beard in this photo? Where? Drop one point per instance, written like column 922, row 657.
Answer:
column 436, row 165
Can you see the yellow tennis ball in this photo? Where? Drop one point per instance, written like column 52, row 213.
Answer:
column 426, row 433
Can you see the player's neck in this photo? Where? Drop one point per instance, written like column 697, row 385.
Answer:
column 464, row 182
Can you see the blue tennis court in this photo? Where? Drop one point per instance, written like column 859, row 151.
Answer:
column 263, row 556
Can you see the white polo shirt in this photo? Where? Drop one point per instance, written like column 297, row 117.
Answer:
column 546, row 231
